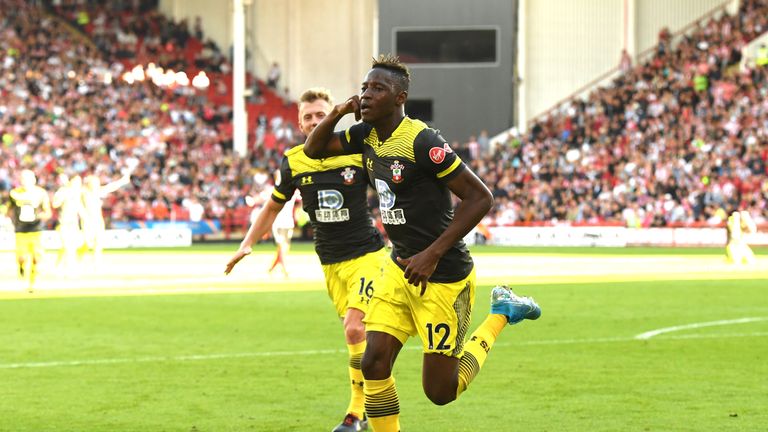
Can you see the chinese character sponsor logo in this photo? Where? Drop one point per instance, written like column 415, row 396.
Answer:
column 331, row 215
column 393, row 217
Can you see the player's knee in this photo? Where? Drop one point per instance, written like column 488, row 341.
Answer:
column 439, row 396
column 354, row 331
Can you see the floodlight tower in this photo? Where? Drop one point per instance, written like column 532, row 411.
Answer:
column 240, row 116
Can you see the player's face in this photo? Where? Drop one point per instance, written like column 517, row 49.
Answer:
column 63, row 179
column 312, row 113
column 378, row 95
column 92, row 182
column 28, row 179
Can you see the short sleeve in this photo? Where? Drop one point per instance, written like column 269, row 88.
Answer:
column 352, row 138
column 434, row 155
column 284, row 187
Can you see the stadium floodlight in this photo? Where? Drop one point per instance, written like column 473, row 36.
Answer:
column 182, row 79
column 128, row 77
column 138, row 73
column 161, row 77
column 155, row 74
column 158, row 77
column 201, row 81
column 169, row 79
column 151, row 69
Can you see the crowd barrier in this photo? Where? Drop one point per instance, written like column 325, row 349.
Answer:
column 607, row 236
column 179, row 236
column 203, row 227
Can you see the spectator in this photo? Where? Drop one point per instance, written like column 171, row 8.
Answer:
column 625, row 64
column 273, row 76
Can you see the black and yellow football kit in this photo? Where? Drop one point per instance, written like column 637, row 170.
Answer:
column 351, row 250
column 409, row 171
column 333, row 193
column 25, row 207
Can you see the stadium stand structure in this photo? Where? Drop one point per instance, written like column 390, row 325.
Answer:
column 677, row 140
column 67, row 110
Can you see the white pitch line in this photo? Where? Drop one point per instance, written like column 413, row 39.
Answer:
column 414, row 347
column 652, row 333
column 158, row 359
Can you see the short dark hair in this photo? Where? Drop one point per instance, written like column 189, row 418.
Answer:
column 393, row 64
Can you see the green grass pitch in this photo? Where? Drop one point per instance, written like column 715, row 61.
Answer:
column 254, row 353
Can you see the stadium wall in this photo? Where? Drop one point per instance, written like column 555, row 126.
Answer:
column 114, row 238
column 564, row 46
column 325, row 43
column 216, row 20
column 608, row 236
column 466, row 97
column 653, row 15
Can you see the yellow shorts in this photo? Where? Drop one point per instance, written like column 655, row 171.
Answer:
column 440, row 317
column 351, row 283
column 29, row 243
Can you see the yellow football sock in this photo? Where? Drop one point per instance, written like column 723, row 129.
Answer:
column 32, row 276
column 357, row 402
column 382, row 405
column 477, row 348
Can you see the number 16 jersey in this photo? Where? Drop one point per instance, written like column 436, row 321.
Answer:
column 334, row 195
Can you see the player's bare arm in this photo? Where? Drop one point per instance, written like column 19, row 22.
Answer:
column 476, row 201
column 58, row 197
column 47, row 212
column 117, row 184
column 322, row 142
column 258, row 228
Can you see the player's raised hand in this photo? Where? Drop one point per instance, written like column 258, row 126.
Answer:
column 239, row 255
column 351, row 105
column 419, row 268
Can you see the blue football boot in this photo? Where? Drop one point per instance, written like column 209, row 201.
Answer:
column 514, row 307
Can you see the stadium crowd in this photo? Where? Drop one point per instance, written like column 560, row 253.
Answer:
column 66, row 110
column 678, row 139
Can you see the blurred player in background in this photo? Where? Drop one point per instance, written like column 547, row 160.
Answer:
column 428, row 285
column 282, row 231
column 93, row 221
column 350, row 249
column 737, row 250
column 29, row 207
column 68, row 199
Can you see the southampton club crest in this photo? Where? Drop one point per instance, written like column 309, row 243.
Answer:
column 349, row 175
column 397, row 171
